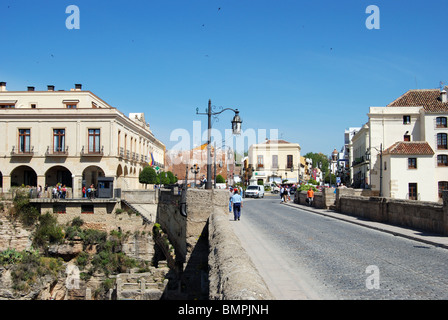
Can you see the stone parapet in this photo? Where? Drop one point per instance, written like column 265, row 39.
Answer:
column 232, row 275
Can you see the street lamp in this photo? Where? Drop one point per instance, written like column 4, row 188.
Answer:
column 195, row 169
column 236, row 130
column 381, row 165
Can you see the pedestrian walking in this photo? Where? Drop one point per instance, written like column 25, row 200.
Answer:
column 237, row 202
column 230, row 199
column 310, row 196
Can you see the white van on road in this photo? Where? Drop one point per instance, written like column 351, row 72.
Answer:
column 254, row 192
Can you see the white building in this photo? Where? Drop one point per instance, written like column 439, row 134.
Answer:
column 71, row 137
column 359, row 162
column 408, row 146
column 275, row 160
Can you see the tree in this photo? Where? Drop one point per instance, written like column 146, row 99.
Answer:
column 163, row 178
column 147, row 176
column 319, row 158
column 220, row 179
column 172, row 178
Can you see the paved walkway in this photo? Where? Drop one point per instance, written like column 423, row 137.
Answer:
column 434, row 239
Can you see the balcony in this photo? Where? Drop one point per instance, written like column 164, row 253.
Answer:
column 92, row 152
column 358, row 161
column 24, row 152
column 56, row 152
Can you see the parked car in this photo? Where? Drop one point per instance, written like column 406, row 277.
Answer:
column 292, row 190
column 254, row 192
column 273, row 186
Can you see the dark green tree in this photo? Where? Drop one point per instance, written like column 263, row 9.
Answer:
column 319, row 161
column 171, row 177
column 220, row 179
column 163, row 178
column 147, row 176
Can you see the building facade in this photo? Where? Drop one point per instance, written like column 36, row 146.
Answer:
column 275, row 161
column 408, row 148
column 72, row 138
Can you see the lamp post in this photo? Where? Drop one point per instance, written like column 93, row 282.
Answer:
column 236, row 129
column 381, row 166
column 195, row 170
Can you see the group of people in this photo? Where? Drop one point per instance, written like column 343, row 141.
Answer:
column 88, row 192
column 235, row 202
column 285, row 193
column 59, row 191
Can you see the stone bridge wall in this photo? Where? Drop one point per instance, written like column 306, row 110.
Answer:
column 421, row 215
column 232, row 274
column 213, row 259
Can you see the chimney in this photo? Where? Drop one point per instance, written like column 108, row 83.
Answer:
column 78, row 87
column 2, row 86
column 50, row 88
column 443, row 96
column 30, row 88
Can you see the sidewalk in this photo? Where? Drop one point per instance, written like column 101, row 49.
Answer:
column 433, row 239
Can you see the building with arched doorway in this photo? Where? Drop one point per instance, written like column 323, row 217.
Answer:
column 71, row 138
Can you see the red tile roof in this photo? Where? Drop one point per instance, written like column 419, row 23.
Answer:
column 409, row 148
column 429, row 99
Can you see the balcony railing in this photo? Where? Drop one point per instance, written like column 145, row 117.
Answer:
column 96, row 152
column 24, row 152
column 56, row 152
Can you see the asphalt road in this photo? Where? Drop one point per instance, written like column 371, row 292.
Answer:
column 303, row 255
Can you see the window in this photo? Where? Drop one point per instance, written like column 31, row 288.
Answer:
column 442, row 160
column 71, row 104
column 413, row 191
column 59, row 208
column 443, row 186
column 406, row 119
column 58, row 140
column 442, row 141
column 441, row 122
column 87, row 209
column 289, row 161
column 94, row 140
column 274, row 161
column 412, row 163
column 260, row 161
column 7, row 104
column 407, row 137
column 24, row 140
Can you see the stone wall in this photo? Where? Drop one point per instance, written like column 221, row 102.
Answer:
column 12, row 233
column 185, row 231
column 420, row 215
column 232, row 275
column 149, row 195
column 104, row 217
column 322, row 200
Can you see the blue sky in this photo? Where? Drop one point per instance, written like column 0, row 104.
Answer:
column 310, row 69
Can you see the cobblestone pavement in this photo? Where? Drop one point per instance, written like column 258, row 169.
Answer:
column 304, row 255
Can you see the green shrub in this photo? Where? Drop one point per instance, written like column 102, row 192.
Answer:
column 220, row 179
column 82, row 260
column 10, row 256
column 31, row 268
column 24, row 211
column 77, row 222
column 48, row 231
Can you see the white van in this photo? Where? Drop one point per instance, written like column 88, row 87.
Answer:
column 254, row 192
column 274, row 188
